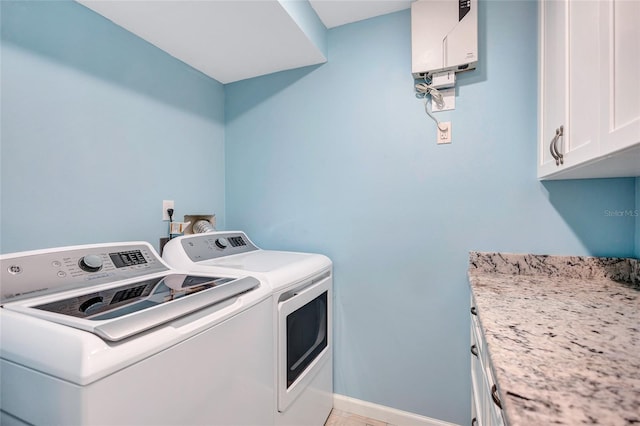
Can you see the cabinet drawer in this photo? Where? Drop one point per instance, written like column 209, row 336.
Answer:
column 486, row 406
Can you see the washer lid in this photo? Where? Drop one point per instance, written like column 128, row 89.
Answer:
column 115, row 313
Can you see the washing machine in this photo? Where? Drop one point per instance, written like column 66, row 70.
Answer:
column 302, row 286
column 109, row 334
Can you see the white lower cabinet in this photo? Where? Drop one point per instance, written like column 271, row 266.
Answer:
column 486, row 407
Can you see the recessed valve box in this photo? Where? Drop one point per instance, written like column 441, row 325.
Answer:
column 195, row 221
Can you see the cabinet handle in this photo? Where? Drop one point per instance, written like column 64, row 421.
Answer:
column 474, row 311
column 554, row 146
column 551, row 148
column 494, row 396
column 560, row 134
column 474, row 350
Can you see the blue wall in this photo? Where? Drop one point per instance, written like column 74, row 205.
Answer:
column 98, row 127
column 341, row 159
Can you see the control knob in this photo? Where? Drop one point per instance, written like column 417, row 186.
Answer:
column 90, row 263
column 222, row 242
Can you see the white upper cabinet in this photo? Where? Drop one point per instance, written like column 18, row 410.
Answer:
column 589, row 89
column 552, row 79
column 621, row 75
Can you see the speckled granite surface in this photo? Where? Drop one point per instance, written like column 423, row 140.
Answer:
column 563, row 335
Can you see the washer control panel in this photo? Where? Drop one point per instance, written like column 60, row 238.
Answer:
column 201, row 247
column 42, row 272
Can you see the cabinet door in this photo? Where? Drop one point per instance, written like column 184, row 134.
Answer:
column 569, row 80
column 553, row 71
column 580, row 142
column 621, row 70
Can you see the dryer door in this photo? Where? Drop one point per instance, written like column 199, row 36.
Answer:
column 304, row 336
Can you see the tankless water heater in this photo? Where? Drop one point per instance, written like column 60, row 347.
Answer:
column 444, row 36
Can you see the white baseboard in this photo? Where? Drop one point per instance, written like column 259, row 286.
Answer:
column 382, row 413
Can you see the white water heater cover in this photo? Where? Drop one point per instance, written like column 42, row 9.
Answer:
column 444, row 36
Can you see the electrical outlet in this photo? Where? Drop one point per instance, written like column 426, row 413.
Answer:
column 166, row 204
column 444, row 132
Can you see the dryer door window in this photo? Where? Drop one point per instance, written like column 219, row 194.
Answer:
column 306, row 336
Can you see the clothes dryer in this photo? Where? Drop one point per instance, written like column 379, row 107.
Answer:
column 302, row 287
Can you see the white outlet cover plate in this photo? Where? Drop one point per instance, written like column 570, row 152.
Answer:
column 167, row 204
column 444, row 137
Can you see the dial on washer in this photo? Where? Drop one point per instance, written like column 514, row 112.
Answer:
column 90, row 263
column 222, row 242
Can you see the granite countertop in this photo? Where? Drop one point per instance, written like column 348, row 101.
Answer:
column 563, row 336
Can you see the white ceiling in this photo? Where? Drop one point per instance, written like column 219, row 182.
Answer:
column 231, row 40
column 334, row 13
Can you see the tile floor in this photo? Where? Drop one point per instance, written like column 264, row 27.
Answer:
column 343, row 418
